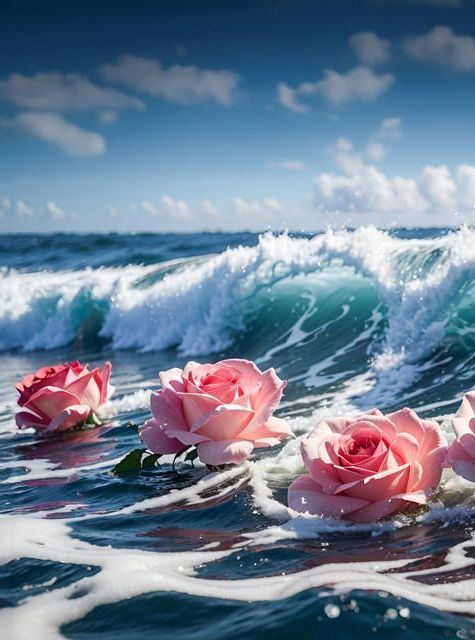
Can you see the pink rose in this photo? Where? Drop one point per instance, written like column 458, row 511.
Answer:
column 461, row 453
column 62, row 396
column 225, row 409
column 368, row 467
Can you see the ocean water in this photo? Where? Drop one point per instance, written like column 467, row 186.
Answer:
column 353, row 319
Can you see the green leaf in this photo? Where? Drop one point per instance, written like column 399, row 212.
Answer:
column 191, row 455
column 131, row 463
column 149, row 461
column 135, row 461
column 93, row 419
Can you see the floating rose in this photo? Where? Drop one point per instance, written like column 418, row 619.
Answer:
column 63, row 396
column 224, row 409
column 461, row 453
column 365, row 468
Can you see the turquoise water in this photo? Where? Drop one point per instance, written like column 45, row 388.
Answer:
column 353, row 319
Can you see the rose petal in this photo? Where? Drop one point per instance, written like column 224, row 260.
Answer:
column 171, row 379
column 383, row 423
column 406, row 447
column 378, row 486
column 467, row 407
column 320, row 470
column 224, row 452
column 26, row 419
column 463, row 427
column 273, row 428
column 226, row 422
column 196, row 407
column 347, row 475
column 415, row 476
column 268, row 396
column 250, row 373
column 305, row 495
column 330, row 425
column 167, row 409
column 185, row 437
column 41, row 374
column 156, row 440
column 457, row 452
column 407, row 420
column 432, row 465
column 72, row 416
column 461, row 462
column 219, row 380
column 51, row 401
column 465, row 469
column 53, row 376
column 386, row 507
column 106, row 388
column 433, row 437
column 87, row 391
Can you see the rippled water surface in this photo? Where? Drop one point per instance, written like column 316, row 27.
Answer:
column 352, row 319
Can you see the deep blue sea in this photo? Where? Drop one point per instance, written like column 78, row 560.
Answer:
column 352, row 319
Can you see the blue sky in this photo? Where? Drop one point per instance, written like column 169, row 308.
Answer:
column 229, row 114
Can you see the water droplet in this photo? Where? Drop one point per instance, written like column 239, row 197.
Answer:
column 332, row 610
column 391, row 614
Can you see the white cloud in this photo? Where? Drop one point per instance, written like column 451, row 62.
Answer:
column 439, row 188
column 175, row 208
column 62, row 92
column 291, row 165
column 108, row 116
column 287, row 97
column 442, row 46
column 54, row 211
column 466, row 185
column 146, row 207
column 390, row 128
column 181, row 84
column 167, row 208
column 370, row 190
column 376, row 151
column 23, row 210
column 209, row 209
column 370, row 48
column 360, row 83
column 5, row 203
column 53, row 128
column 362, row 187
column 254, row 208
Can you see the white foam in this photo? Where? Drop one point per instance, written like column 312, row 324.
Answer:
column 196, row 307
column 41, row 310
column 44, row 469
column 139, row 399
column 127, row 573
column 200, row 306
column 210, row 486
